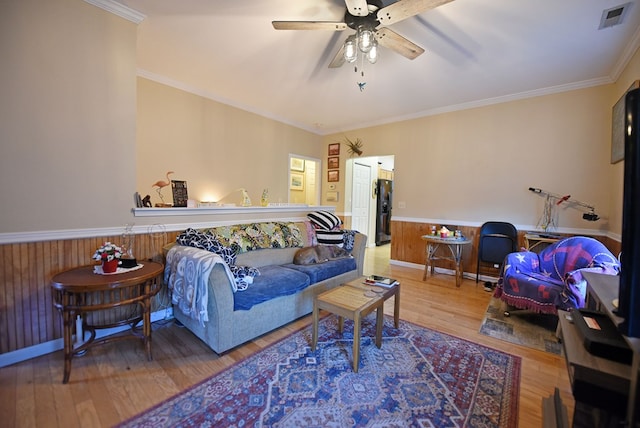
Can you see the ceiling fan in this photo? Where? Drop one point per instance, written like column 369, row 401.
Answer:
column 365, row 16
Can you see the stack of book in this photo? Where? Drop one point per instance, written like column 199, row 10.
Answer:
column 381, row 281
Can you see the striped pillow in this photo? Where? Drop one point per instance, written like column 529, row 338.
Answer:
column 330, row 237
column 324, row 220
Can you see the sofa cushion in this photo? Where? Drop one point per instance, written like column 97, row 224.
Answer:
column 274, row 281
column 320, row 271
column 254, row 236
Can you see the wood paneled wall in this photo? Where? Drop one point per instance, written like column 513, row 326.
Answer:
column 27, row 315
column 408, row 246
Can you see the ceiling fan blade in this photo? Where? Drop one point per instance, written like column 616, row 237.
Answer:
column 394, row 41
column 338, row 60
column 309, row 25
column 357, row 7
column 403, row 9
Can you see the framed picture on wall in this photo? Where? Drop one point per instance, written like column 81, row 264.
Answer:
column 297, row 181
column 333, row 176
column 297, row 164
column 333, row 162
column 334, row 149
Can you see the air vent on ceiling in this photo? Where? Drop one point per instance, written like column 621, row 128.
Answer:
column 613, row 16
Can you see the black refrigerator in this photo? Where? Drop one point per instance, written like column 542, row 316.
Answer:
column 384, row 191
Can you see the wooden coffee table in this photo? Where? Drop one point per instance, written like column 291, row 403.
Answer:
column 355, row 300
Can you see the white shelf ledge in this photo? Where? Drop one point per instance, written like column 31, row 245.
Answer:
column 271, row 208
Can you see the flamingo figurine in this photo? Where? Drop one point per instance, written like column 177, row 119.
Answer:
column 160, row 184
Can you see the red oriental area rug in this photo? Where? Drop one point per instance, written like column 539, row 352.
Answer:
column 418, row 378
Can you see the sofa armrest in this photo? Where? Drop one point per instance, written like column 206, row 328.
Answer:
column 359, row 246
column 221, row 301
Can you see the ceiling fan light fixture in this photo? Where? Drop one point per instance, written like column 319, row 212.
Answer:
column 350, row 49
column 365, row 38
column 372, row 55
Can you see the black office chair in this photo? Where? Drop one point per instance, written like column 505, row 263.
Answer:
column 496, row 240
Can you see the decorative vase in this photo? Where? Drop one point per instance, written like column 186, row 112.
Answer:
column 110, row 266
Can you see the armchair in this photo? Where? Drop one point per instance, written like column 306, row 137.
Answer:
column 552, row 279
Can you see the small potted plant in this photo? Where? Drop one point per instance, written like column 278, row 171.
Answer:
column 109, row 254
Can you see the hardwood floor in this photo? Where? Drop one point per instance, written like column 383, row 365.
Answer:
column 114, row 382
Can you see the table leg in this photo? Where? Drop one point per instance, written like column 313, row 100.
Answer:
column 340, row 324
column 67, row 331
column 457, row 255
column 379, row 324
column 356, row 342
column 146, row 326
column 459, row 273
column 396, row 307
column 428, row 264
column 314, row 336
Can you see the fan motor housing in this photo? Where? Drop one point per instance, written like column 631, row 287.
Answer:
column 369, row 21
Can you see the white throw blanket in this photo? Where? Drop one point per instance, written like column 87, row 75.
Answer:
column 187, row 275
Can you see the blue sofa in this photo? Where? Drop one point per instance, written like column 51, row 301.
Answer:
column 279, row 294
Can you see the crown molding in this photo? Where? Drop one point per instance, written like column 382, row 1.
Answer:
column 119, row 9
column 158, row 78
column 626, row 56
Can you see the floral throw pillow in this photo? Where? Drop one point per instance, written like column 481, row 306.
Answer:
column 243, row 275
column 206, row 241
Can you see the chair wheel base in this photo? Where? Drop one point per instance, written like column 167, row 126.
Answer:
column 506, row 313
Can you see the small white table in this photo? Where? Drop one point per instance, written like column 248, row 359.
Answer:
column 454, row 246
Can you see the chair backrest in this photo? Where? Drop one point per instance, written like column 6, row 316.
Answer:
column 575, row 252
column 497, row 239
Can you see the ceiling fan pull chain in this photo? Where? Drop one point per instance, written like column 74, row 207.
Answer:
column 362, row 84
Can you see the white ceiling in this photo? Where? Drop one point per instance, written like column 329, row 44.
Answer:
column 478, row 52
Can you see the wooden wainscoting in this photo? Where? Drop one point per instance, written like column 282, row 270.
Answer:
column 27, row 315
column 408, row 246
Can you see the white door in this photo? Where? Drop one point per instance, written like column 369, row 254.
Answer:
column 361, row 198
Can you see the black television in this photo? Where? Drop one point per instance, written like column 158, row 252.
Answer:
column 629, row 289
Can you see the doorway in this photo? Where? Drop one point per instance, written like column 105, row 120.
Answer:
column 360, row 197
column 362, row 193
column 304, row 180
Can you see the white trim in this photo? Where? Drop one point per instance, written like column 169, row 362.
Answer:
column 468, row 275
column 215, row 97
column 119, row 9
column 482, row 103
column 52, row 235
column 271, row 208
column 626, row 56
column 521, row 227
column 34, row 351
column 426, row 113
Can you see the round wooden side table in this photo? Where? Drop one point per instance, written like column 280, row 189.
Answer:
column 454, row 246
column 81, row 290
